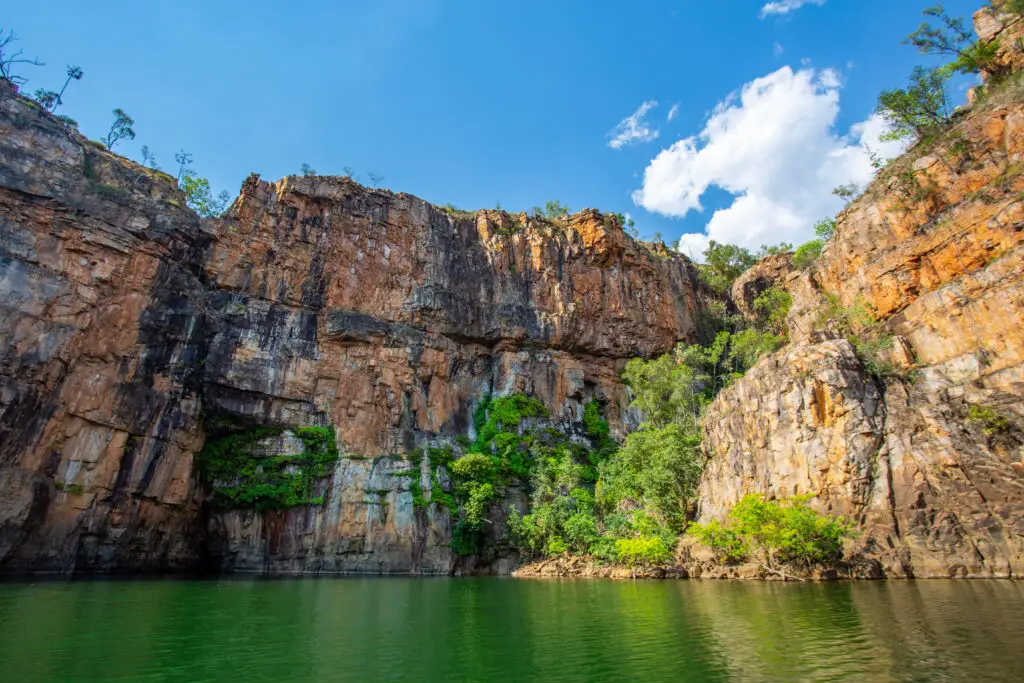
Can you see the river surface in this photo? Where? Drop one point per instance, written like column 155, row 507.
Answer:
column 509, row 630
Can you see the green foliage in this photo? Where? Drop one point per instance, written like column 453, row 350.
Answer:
column 825, row 229
column 658, row 470
column 240, row 478
column 307, row 170
column 200, row 198
column 746, row 346
column 917, row 111
column 724, row 540
column 554, row 209
column 643, row 551
column 773, row 250
column 723, row 263
column 993, row 422
column 846, row 193
column 776, row 534
column 951, row 38
column 772, row 306
column 806, row 254
column 121, row 128
column 47, row 99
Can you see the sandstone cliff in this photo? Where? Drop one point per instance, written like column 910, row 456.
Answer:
column 132, row 333
column 928, row 459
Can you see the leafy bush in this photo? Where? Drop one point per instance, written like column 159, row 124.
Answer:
column 241, row 478
column 806, row 254
column 644, row 551
column 772, row 306
column 777, row 534
column 657, row 470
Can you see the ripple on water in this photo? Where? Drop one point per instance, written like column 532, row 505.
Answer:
column 506, row 630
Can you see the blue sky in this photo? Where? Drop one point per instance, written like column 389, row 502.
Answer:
column 473, row 102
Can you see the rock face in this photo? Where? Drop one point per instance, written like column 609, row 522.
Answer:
column 765, row 274
column 132, row 331
column 928, row 461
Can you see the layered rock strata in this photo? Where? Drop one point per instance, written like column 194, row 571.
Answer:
column 131, row 331
column 927, row 460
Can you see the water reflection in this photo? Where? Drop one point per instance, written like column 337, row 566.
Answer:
column 506, row 630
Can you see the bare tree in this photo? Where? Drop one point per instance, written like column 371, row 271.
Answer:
column 10, row 59
column 375, row 179
column 120, row 129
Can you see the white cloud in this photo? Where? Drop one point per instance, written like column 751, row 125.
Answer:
column 633, row 128
column 787, row 6
column 774, row 146
column 778, row 49
column 673, row 112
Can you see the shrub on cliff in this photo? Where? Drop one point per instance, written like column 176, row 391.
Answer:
column 780, row 535
column 806, row 254
column 772, row 306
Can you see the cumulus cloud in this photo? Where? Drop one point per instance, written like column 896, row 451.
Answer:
column 633, row 128
column 673, row 112
column 774, row 146
column 787, row 6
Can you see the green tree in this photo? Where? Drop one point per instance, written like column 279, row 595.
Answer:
column 723, row 263
column 375, row 178
column 120, row 129
column 47, row 99
column 806, row 254
column 779, row 535
column 950, row 37
column 846, row 192
column 773, row 249
column 918, row 110
column 307, row 170
column 658, row 470
column 200, row 198
column 825, row 229
column 772, row 306
column 555, row 209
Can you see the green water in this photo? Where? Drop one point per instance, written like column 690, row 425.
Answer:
column 509, row 630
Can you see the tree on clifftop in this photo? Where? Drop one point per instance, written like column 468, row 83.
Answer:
column 120, row 129
column 9, row 59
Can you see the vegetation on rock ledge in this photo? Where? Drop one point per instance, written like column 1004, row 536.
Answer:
column 241, row 477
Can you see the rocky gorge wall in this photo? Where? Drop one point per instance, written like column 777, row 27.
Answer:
column 926, row 461
column 132, row 332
